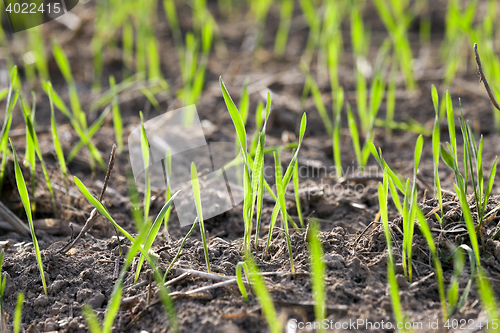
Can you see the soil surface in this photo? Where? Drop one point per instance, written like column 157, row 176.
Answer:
column 355, row 249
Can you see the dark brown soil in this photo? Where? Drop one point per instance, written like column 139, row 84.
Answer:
column 356, row 281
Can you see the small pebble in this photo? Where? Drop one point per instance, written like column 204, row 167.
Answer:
column 41, row 301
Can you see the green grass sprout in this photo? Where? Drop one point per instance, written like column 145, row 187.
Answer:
column 146, row 160
column 23, row 193
column 4, row 138
column 239, row 278
column 57, row 142
column 153, row 232
column 318, row 272
column 117, row 118
column 197, row 200
column 391, row 274
column 265, row 300
column 18, row 312
column 178, row 254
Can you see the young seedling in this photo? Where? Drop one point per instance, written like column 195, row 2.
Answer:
column 318, row 272
column 282, row 185
column 197, row 199
column 395, row 18
column 146, row 160
column 178, row 254
column 280, row 189
column 336, row 134
column 18, row 312
column 57, row 142
column 153, row 232
column 84, row 135
column 435, row 149
column 4, row 138
column 137, row 246
column 284, row 27
column 263, row 296
column 297, row 194
column 239, row 277
column 23, row 193
column 32, row 140
column 391, row 273
column 117, row 117
column 63, row 63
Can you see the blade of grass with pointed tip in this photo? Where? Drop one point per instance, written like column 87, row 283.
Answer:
column 96, row 125
column 469, row 222
column 11, row 102
column 237, row 120
column 320, row 106
column 197, row 200
column 281, row 199
column 353, row 128
column 23, row 193
column 63, row 64
column 297, row 194
column 391, row 275
column 117, row 118
column 146, row 161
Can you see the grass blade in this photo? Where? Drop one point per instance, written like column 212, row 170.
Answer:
column 197, row 200
column 318, row 271
column 23, row 193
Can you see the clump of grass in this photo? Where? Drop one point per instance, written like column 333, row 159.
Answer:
column 23, row 193
column 394, row 15
column 84, row 135
column 409, row 208
column 367, row 122
column 472, row 156
column 32, row 147
column 281, row 185
column 63, row 63
column 253, row 187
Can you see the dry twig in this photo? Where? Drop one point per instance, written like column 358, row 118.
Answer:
column 93, row 215
column 483, row 78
